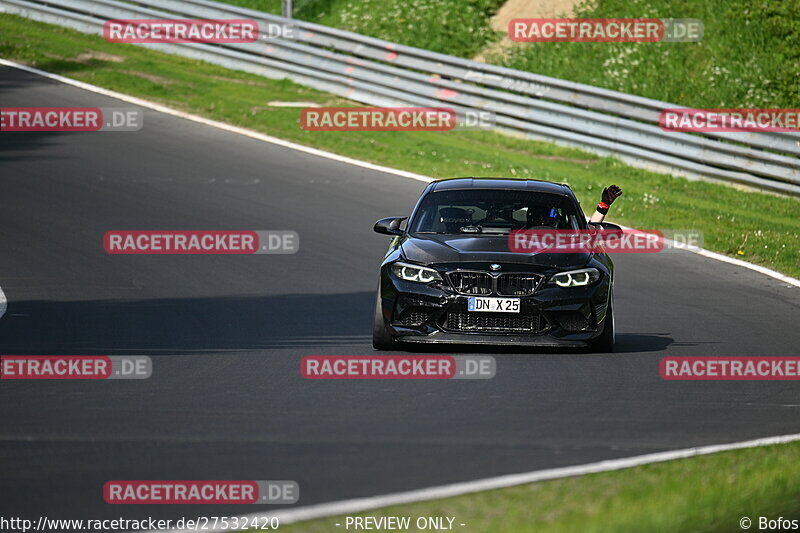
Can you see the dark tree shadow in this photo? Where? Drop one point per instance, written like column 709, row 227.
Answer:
column 227, row 323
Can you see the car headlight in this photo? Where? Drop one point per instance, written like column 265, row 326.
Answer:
column 416, row 273
column 576, row 278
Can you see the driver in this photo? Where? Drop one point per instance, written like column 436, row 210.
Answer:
column 540, row 215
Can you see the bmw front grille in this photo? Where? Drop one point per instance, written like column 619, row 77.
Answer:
column 482, row 283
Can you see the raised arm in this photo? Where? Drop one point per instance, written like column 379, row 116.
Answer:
column 610, row 193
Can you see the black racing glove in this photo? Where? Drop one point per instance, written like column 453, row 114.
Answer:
column 610, row 193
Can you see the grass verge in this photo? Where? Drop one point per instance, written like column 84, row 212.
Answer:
column 455, row 27
column 706, row 494
column 749, row 55
column 759, row 228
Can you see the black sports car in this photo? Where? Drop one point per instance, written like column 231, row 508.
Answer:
column 449, row 275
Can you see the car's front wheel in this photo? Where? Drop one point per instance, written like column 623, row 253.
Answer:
column 605, row 342
column 381, row 338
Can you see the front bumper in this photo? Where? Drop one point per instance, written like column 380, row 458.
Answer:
column 550, row 317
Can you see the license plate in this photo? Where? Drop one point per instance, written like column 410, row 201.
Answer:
column 493, row 305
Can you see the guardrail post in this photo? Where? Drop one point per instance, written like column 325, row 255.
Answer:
column 286, row 8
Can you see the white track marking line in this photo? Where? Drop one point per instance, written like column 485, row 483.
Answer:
column 335, row 157
column 325, row 510
column 744, row 264
column 725, row 259
column 215, row 124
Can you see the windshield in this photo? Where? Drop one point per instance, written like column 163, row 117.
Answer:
column 492, row 211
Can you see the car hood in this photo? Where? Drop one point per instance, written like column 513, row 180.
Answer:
column 427, row 249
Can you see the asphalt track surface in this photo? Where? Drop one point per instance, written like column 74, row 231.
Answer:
column 226, row 334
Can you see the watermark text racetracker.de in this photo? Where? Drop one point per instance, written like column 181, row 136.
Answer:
column 247, row 242
column 602, row 240
column 180, row 31
column 66, row 119
column 730, row 120
column 196, row 31
column 746, row 368
column 397, row 367
column 394, row 119
column 200, row 492
column 75, row 367
column 605, row 30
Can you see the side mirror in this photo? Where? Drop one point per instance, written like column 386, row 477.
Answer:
column 605, row 225
column 389, row 226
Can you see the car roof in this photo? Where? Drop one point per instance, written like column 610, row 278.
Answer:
column 501, row 183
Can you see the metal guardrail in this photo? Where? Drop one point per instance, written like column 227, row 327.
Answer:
column 377, row 72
